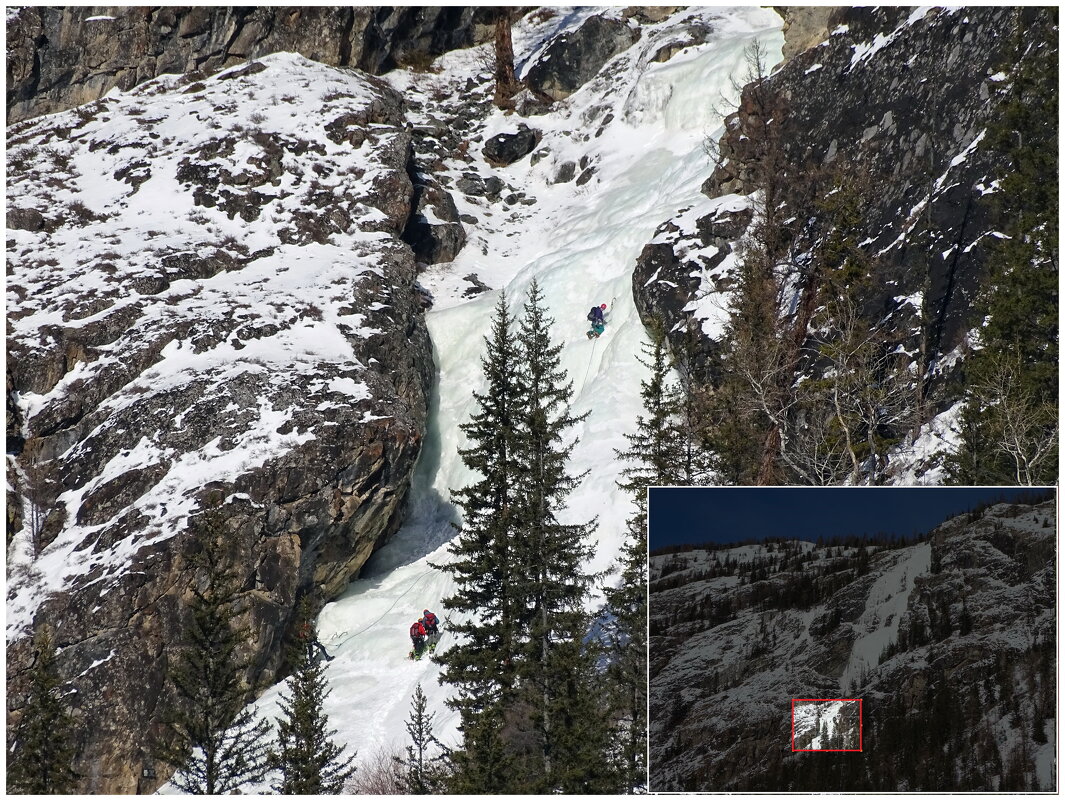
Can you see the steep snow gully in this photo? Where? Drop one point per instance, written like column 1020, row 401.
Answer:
column 580, row 243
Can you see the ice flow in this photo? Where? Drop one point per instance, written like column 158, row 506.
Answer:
column 580, row 243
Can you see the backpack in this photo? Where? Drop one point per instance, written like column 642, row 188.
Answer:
column 416, row 630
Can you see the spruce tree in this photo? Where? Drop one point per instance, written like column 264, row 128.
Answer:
column 553, row 585
column 214, row 742
column 424, row 773
column 309, row 762
column 654, row 455
column 628, row 665
column 582, row 741
column 1009, row 426
column 41, row 761
column 521, row 668
column 692, row 400
column 480, row 666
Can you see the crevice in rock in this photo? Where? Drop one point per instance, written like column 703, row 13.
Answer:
column 62, row 424
column 344, row 57
column 239, row 16
column 935, row 335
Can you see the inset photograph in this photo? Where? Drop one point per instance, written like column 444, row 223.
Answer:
column 895, row 639
column 826, row 724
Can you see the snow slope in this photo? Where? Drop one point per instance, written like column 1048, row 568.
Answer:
column 580, row 243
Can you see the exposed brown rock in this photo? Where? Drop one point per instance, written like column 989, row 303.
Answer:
column 806, row 26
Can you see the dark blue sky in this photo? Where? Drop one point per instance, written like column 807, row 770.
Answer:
column 692, row 515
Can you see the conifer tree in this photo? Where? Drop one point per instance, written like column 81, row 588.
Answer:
column 521, row 666
column 1009, row 426
column 309, row 762
column 486, row 758
column 692, row 399
column 583, row 754
column 424, row 773
column 41, row 761
column 480, row 667
column 653, row 454
column 553, row 587
column 215, row 743
column 628, row 667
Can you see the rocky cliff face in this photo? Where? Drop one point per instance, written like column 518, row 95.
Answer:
column 949, row 643
column 901, row 96
column 63, row 57
column 209, row 302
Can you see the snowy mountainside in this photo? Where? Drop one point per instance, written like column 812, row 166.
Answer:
column 208, row 300
column 960, row 626
column 826, row 725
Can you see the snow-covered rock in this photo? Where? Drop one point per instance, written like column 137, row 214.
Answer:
column 208, row 301
column 573, row 58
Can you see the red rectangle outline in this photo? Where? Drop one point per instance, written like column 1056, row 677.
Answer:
column 795, row 750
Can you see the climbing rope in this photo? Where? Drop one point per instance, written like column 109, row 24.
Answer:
column 588, row 366
column 595, row 341
column 369, row 626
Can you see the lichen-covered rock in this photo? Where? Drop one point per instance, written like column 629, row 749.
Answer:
column 240, row 326
column 573, row 59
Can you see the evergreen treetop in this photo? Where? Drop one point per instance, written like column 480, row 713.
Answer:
column 213, row 740
column 425, row 772
column 41, row 760
column 308, row 760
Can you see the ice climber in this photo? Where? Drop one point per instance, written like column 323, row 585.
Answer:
column 431, row 622
column 417, row 635
column 308, row 632
column 595, row 316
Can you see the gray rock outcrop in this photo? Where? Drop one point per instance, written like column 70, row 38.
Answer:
column 210, row 303
column 59, row 58
column 900, row 96
column 506, row 148
column 571, row 60
column 434, row 232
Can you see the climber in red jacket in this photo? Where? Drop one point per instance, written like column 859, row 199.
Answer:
column 417, row 635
